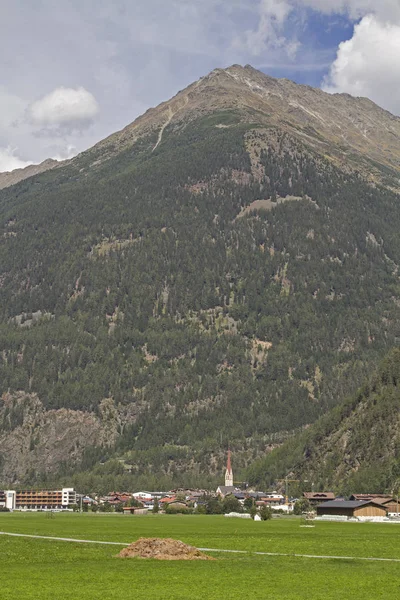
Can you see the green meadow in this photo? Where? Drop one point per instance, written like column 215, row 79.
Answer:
column 48, row 569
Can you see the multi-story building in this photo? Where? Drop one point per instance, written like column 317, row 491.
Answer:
column 40, row 499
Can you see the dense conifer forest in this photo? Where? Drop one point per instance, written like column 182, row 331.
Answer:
column 138, row 289
column 356, row 446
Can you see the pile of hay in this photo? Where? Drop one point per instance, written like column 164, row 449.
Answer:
column 163, row 549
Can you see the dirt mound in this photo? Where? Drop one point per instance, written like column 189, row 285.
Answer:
column 163, row 549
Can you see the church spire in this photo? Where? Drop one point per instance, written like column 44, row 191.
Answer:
column 228, row 472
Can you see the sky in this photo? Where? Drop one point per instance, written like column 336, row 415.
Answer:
column 74, row 71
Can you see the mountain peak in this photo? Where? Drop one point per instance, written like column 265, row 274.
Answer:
column 354, row 132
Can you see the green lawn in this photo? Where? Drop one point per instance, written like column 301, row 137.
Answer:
column 47, row 569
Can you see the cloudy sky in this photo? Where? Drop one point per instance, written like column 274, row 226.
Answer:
column 74, row 71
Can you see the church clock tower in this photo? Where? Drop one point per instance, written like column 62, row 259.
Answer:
column 228, row 472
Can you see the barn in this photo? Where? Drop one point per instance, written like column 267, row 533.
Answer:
column 351, row 508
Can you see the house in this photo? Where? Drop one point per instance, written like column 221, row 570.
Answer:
column 268, row 501
column 239, row 496
column 115, row 498
column 163, row 503
column 224, row 490
column 87, row 500
column 140, row 496
column 360, row 509
column 375, row 497
column 316, row 498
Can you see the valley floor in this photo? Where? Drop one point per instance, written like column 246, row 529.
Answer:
column 32, row 568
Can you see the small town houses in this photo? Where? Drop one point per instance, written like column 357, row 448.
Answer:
column 322, row 503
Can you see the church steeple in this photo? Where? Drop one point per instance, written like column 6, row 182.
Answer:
column 228, row 472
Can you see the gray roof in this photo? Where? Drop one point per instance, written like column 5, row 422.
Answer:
column 225, row 489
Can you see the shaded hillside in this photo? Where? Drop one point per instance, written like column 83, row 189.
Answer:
column 353, row 448
column 135, row 275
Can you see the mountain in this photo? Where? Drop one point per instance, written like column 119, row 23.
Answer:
column 12, row 177
column 351, row 132
column 353, row 448
column 223, row 271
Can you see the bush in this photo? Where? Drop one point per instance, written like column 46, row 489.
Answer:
column 178, row 510
column 253, row 512
column 231, row 504
column 214, row 506
column 265, row 513
column 248, row 503
column 301, row 505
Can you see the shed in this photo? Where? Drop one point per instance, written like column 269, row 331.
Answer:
column 392, row 506
column 131, row 510
column 351, row 508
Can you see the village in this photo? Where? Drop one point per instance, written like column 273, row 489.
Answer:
column 227, row 499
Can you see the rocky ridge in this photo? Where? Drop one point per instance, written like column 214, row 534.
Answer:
column 353, row 132
column 9, row 178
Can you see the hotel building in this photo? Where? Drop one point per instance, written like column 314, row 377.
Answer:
column 38, row 499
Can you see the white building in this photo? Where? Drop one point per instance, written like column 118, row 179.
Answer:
column 32, row 500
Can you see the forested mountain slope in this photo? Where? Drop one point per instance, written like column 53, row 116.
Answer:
column 224, row 270
column 354, row 448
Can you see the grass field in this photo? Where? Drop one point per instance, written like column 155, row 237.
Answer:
column 44, row 569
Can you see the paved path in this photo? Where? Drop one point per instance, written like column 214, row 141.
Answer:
column 288, row 554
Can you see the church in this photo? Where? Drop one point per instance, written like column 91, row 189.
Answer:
column 228, row 488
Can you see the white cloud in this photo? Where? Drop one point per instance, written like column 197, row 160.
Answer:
column 384, row 9
column 65, row 107
column 132, row 55
column 369, row 64
column 63, row 152
column 9, row 161
column 11, row 108
column 269, row 31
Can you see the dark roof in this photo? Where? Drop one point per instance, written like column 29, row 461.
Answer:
column 347, row 504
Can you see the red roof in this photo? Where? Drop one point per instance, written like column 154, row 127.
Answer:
column 167, row 500
column 319, row 495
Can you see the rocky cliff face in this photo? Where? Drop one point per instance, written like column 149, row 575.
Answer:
column 36, row 441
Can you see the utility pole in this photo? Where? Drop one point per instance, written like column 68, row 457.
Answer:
column 287, row 480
